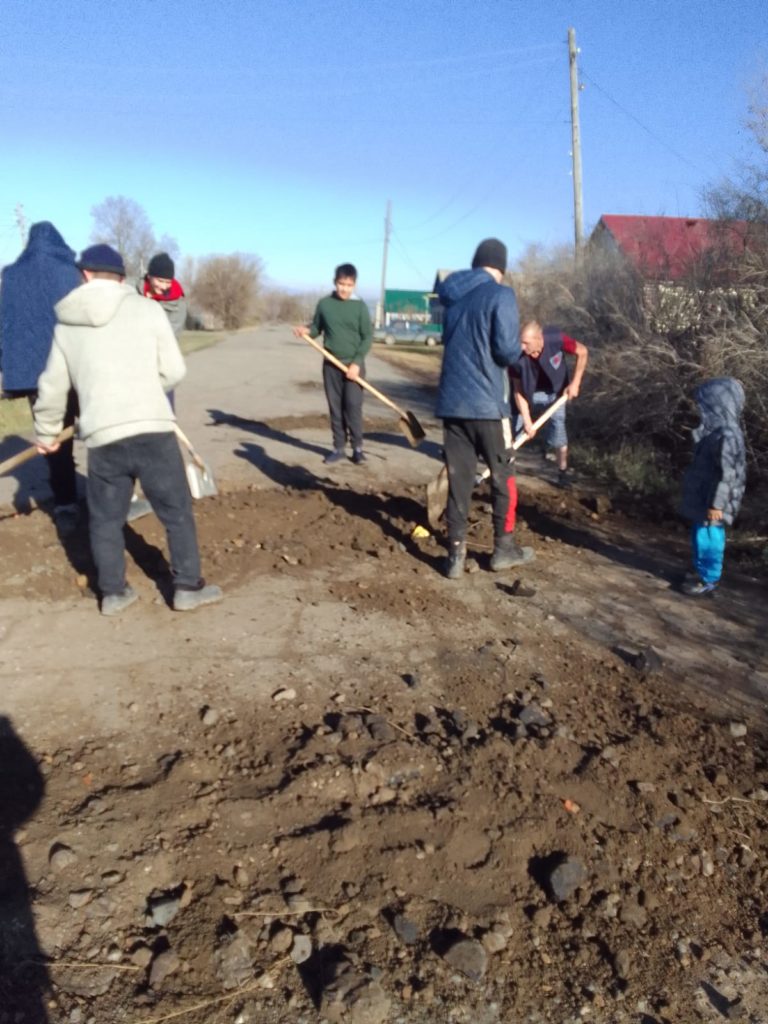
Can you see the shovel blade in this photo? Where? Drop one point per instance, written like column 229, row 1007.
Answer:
column 200, row 480
column 437, row 498
column 412, row 429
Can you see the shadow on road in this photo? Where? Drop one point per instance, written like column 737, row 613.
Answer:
column 24, row 980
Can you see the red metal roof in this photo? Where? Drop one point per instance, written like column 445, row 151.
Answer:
column 664, row 248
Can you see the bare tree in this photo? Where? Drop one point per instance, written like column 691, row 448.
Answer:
column 228, row 287
column 124, row 224
column 287, row 307
column 744, row 196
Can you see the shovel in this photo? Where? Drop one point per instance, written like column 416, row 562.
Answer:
column 437, row 489
column 408, row 423
column 199, row 474
column 31, row 452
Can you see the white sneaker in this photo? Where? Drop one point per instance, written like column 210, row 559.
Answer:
column 113, row 604
column 188, row 600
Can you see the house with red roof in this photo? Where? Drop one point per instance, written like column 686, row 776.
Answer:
column 670, row 249
column 684, row 265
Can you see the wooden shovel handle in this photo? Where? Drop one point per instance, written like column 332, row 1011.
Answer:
column 188, row 445
column 32, row 451
column 541, row 421
column 363, row 383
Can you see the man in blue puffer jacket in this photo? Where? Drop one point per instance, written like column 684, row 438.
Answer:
column 481, row 339
column 714, row 483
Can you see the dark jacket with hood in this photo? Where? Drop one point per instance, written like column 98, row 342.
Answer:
column 717, row 475
column 481, row 339
column 43, row 274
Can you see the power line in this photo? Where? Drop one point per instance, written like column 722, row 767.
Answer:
column 649, row 131
column 405, row 255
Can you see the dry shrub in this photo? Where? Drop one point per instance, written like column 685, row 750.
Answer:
column 227, row 287
column 649, row 348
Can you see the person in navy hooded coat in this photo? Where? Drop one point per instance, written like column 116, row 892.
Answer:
column 42, row 275
column 480, row 337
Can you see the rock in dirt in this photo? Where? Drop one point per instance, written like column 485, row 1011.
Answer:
column 162, row 909
column 141, row 956
column 622, row 963
column 468, row 956
column 209, row 716
column 233, row 961
column 163, row 965
column 405, row 930
column 281, row 941
column 647, row 660
column 379, row 728
column 494, row 940
column 79, row 897
column 61, row 857
column 534, row 715
column 285, row 693
column 737, row 730
column 301, row 950
column 565, row 878
column 352, row 997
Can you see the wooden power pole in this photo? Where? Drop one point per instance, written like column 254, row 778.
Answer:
column 381, row 310
column 21, row 223
column 578, row 201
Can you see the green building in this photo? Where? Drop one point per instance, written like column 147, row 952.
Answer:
column 402, row 304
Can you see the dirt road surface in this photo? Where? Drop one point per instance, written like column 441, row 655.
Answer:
column 354, row 790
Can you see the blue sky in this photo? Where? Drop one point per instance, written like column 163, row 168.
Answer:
column 282, row 129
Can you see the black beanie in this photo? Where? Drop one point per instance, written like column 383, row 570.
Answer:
column 162, row 266
column 101, row 258
column 490, row 253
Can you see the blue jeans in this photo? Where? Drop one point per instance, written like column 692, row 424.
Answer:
column 708, row 548
column 556, row 436
column 113, row 469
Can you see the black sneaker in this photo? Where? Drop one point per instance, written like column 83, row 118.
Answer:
column 563, row 480
column 454, row 563
column 358, row 456
column 66, row 519
column 507, row 553
column 335, row 456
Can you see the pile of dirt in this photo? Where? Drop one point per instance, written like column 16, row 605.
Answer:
column 478, row 815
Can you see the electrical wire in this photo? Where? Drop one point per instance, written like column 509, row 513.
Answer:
column 405, row 255
column 631, row 116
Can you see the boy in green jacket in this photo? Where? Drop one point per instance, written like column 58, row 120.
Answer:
column 345, row 324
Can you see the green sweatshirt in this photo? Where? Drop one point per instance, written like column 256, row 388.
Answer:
column 345, row 325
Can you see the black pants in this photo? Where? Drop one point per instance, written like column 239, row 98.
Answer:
column 61, row 464
column 345, row 404
column 155, row 461
column 464, row 442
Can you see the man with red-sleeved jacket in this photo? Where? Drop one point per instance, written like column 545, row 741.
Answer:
column 540, row 377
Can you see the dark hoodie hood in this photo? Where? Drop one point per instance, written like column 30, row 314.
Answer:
column 721, row 404
column 45, row 239
column 42, row 275
column 460, row 283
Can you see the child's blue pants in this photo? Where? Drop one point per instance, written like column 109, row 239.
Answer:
column 708, row 547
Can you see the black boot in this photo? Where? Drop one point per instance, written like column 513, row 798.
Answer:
column 507, row 553
column 454, row 563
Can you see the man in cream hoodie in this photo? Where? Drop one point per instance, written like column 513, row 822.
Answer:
column 119, row 353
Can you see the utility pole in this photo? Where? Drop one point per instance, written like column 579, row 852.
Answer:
column 578, row 202
column 21, row 222
column 381, row 308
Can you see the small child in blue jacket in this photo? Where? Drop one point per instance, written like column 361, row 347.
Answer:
column 713, row 485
